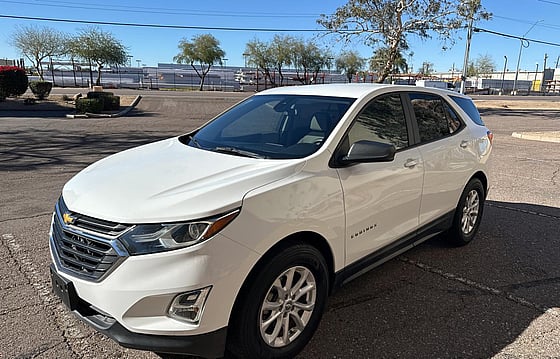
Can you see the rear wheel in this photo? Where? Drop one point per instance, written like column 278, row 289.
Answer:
column 468, row 213
column 281, row 309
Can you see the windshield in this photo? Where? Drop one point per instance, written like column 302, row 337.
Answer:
column 272, row 126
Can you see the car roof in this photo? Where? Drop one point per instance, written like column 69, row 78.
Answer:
column 351, row 90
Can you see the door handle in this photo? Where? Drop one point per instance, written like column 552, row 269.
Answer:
column 410, row 163
column 464, row 144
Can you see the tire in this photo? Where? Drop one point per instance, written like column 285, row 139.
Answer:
column 468, row 213
column 289, row 291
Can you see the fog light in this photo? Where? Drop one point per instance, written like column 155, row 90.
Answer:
column 188, row 306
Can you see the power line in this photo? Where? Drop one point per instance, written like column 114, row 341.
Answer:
column 548, row 26
column 477, row 29
column 158, row 10
column 160, row 26
column 550, row 2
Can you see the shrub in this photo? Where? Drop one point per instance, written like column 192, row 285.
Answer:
column 89, row 105
column 13, row 81
column 110, row 102
column 41, row 89
column 114, row 103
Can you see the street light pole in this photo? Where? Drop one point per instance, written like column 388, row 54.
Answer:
column 224, row 71
column 542, row 88
column 503, row 75
column 536, row 70
column 522, row 45
column 139, row 82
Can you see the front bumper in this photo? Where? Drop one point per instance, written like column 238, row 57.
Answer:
column 130, row 304
column 209, row 345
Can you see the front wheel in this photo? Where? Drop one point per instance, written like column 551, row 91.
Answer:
column 281, row 307
column 468, row 213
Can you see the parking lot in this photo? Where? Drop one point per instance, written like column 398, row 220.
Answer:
column 497, row 297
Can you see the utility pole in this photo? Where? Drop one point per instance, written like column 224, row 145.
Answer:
column 466, row 59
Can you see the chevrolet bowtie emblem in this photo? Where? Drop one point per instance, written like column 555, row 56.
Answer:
column 68, row 219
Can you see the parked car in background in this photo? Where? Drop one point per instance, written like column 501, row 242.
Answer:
column 231, row 237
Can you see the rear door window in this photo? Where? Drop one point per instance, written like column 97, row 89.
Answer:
column 435, row 117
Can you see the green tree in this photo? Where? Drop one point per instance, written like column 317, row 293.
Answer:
column 260, row 55
column 427, row 69
column 390, row 22
column 349, row 63
column 280, row 52
column 98, row 47
column 381, row 56
column 38, row 43
column 305, row 56
column 202, row 52
column 471, row 69
column 308, row 60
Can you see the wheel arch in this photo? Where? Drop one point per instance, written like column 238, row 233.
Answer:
column 305, row 237
column 481, row 176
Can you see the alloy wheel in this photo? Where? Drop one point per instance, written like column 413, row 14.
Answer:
column 470, row 212
column 288, row 306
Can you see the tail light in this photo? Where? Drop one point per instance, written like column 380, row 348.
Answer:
column 490, row 136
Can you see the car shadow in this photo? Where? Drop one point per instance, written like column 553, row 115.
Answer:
column 441, row 301
column 24, row 150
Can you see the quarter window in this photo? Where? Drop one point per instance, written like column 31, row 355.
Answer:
column 470, row 109
column 382, row 120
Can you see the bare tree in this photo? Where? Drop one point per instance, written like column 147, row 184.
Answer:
column 392, row 21
column 484, row 64
column 100, row 47
column 38, row 43
column 203, row 51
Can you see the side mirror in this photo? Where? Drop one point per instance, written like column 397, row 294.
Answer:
column 368, row 151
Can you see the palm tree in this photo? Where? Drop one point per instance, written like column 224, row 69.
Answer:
column 381, row 57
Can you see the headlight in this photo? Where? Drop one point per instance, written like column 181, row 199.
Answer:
column 152, row 238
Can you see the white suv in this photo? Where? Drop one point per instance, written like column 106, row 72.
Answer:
column 230, row 238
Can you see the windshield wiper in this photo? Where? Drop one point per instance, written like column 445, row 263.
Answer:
column 237, row 152
column 194, row 141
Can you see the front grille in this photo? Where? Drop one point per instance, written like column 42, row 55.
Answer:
column 81, row 249
column 94, row 225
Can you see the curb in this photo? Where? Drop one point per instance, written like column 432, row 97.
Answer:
column 550, row 136
column 113, row 115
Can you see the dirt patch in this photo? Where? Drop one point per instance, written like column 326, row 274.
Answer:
column 544, row 104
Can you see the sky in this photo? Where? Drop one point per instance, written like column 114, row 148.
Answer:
column 534, row 19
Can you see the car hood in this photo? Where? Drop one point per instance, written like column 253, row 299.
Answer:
column 167, row 181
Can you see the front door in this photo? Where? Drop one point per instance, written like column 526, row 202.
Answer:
column 382, row 199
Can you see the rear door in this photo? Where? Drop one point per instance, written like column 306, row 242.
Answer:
column 381, row 200
column 447, row 158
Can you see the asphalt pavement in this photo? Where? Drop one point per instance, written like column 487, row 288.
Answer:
column 497, row 297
